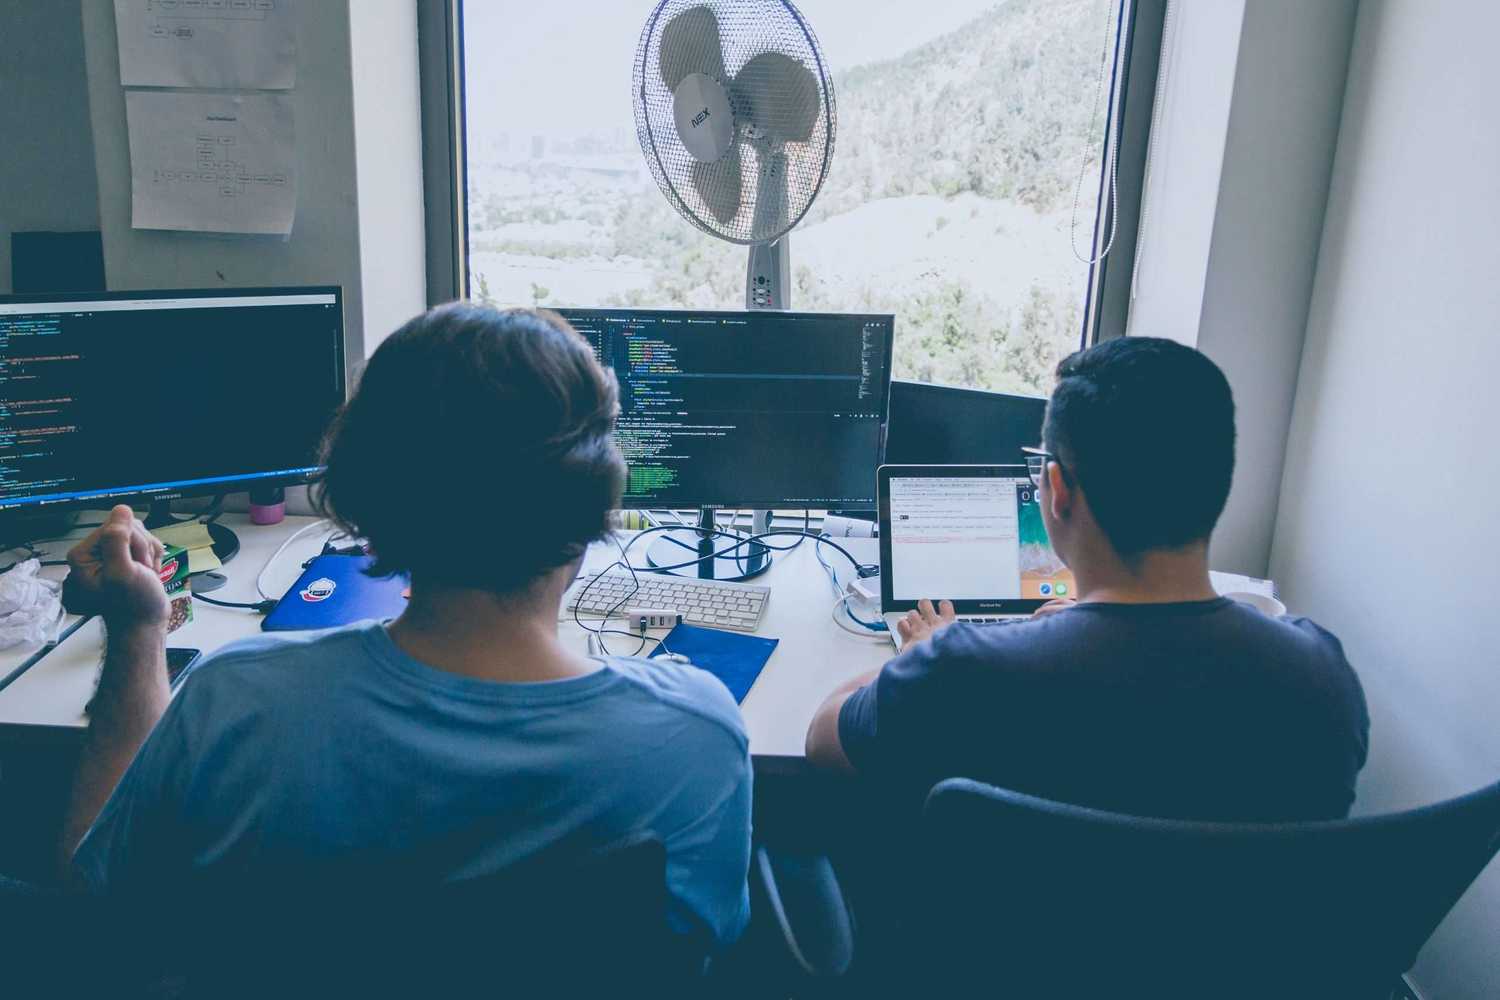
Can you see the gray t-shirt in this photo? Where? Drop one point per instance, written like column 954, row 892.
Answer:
column 1203, row 710
column 284, row 752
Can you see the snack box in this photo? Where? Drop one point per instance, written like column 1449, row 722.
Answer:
column 174, row 578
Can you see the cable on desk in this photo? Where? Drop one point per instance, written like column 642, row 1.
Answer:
column 867, row 630
column 260, row 578
column 264, row 607
column 741, row 542
column 861, row 568
column 833, row 576
column 876, row 627
column 635, row 586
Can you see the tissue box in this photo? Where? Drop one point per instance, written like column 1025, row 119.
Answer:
column 174, row 578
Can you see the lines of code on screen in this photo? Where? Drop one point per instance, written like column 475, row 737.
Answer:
column 98, row 401
column 748, row 409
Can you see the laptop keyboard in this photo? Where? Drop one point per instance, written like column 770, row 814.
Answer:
column 992, row 621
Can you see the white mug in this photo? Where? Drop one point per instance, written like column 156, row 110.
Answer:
column 1260, row 602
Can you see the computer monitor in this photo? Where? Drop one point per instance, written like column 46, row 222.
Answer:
column 113, row 397
column 746, row 409
column 753, row 410
column 938, row 425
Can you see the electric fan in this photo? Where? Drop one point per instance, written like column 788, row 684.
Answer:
column 735, row 112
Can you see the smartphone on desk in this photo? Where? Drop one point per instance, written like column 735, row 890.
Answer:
column 178, row 661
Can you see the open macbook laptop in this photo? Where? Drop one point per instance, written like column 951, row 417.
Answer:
column 971, row 534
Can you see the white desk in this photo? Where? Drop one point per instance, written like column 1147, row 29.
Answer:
column 813, row 657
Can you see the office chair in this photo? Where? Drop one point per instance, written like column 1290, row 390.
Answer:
column 569, row 924
column 1030, row 898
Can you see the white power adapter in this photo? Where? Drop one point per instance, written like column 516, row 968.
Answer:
column 865, row 589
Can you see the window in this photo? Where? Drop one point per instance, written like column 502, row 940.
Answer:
column 966, row 174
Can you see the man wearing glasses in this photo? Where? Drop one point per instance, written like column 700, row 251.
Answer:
column 1150, row 694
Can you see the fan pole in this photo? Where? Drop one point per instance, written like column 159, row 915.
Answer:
column 768, row 285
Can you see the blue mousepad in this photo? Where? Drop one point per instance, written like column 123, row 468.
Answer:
column 732, row 657
column 334, row 590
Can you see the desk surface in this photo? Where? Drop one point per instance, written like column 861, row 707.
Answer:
column 813, row 657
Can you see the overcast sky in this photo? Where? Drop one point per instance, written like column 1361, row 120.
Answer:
column 565, row 66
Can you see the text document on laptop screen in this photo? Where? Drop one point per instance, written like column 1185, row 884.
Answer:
column 958, row 538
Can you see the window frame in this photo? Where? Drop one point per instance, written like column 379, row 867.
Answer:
column 1131, row 101
column 1132, row 108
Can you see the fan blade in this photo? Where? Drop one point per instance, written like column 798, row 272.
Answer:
column 721, row 185
column 777, row 95
column 690, row 43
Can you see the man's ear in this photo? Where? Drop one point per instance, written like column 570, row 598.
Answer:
column 1060, row 493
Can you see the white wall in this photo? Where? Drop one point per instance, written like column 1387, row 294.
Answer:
column 1249, row 124
column 46, row 149
column 1195, row 82
column 1387, row 529
column 388, row 145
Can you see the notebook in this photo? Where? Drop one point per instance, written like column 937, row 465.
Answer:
column 732, row 657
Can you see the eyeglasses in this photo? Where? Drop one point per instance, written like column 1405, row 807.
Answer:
column 1036, row 465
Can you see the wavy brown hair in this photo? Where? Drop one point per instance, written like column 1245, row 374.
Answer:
column 477, row 450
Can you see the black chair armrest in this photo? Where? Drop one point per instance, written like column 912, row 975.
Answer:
column 807, row 905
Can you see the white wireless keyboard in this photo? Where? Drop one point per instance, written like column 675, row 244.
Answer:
column 714, row 603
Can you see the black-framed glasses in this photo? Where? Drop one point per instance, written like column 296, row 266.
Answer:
column 1036, row 465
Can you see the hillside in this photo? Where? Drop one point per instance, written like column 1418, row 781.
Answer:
column 991, row 108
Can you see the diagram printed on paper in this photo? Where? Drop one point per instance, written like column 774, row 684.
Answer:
column 220, row 163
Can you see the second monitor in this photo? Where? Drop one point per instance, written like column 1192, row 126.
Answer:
column 746, row 409
column 742, row 409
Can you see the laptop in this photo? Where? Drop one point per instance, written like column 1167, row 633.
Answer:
column 335, row 590
column 971, row 534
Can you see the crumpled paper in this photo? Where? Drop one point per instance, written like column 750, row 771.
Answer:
column 30, row 606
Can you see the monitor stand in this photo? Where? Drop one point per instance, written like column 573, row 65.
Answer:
column 226, row 542
column 684, row 545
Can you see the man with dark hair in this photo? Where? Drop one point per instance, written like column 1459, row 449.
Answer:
column 1150, row 695
column 461, row 737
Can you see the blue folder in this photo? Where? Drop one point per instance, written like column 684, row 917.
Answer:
column 335, row 590
column 732, row 657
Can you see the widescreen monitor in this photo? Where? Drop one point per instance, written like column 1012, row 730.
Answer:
column 148, row 396
column 746, row 409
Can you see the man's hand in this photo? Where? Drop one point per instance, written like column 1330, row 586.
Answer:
column 1053, row 607
column 920, row 624
column 113, row 573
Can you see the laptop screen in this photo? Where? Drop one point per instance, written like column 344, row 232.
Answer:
column 972, row 535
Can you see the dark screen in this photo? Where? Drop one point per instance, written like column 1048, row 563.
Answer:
column 746, row 409
column 98, row 401
column 936, row 425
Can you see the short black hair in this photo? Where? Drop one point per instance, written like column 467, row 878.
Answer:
column 1147, row 427
column 477, row 450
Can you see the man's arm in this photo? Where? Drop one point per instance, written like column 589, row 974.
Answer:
column 113, row 573
column 823, row 746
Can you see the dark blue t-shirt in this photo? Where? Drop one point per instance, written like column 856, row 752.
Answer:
column 1206, row 710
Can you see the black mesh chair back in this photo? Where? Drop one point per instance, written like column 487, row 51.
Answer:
column 1030, row 898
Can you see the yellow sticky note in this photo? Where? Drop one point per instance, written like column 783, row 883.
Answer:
column 188, row 535
column 202, row 560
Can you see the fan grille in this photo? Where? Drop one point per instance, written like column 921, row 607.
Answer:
column 746, row 29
